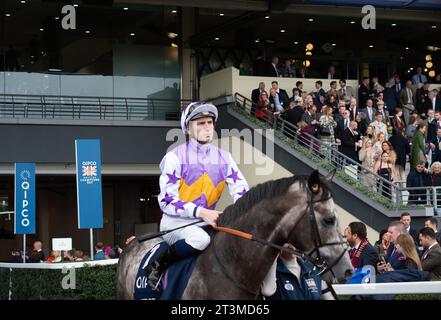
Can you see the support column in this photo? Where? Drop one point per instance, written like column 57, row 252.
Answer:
column 189, row 76
column 364, row 70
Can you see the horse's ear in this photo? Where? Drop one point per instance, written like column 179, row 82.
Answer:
column 330, row 176
column 314, row 182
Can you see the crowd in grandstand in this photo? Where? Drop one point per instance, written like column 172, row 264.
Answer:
column 399, row 247
column 385, row 128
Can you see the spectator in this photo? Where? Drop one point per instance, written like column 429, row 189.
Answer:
column 431, row 123
column 255, row 94
column 68, row 255
column 99, row 253
column 78, row 255
column 418, row 146
column 398, row 122
column 418, row 177
column 312, row 119
column 369, row 111
column 350, row 143
column 384, row 113
column 383, row 243
column 273, row 71
column 55, row 256
column 379, row 125
column 363, row 92
column 407, row 99
column 16, row 256
column 276, row 104
column 376, row 86
column 37, row 254
column 431, row 257
column 378, row 145
column 411, row 128
column 326, row 132
column 333, row 90
column 320, row 96
column 393, row 257
column 437, row 78
column 283, row 96
column 362, row 127
column 435, row 145
column 345, row 92
column 422, row 95
column 406, row 246
column 406, row 220
column 341, row 112
column 331, row 73
column 432, row 102
column 384, row 169
column 432, row 223
column 244, row 70
column 288, row 70
column 390, row 99
column 370, row 134
column 295, row 112
column 387, row 147
column 304, row 133
column 263, row 104
column 333, row 104
column 301, row 73
column 419, row 77
column 367, row 158
column 396, row 88
column 299, row 85
column 353, row 109
column 402, row 148
column 435, row 179
column 362, row 253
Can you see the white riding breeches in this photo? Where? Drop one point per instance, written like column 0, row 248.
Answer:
column 194, row 236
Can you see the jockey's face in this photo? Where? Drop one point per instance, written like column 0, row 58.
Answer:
column 202, row 129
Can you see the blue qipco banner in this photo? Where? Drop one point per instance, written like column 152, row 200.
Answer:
column 24, row 198
column 89, row 191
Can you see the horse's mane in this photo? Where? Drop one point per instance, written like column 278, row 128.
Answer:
column 258, row 193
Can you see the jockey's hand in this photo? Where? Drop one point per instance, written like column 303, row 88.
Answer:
column 209, row 216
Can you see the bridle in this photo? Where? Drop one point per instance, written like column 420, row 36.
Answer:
column 313, row 256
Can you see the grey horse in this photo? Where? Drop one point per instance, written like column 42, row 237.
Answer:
column 298, row 209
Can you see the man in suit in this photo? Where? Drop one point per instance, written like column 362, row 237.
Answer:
column 283, row 96
column 362, row 252
column 273, row 70
column 431, row 258
column 396, row 88
column 320, row 95
column 364, row 92
column 295, row 112
column 390, row 99
column 407, row 99
column 37, row 254
column 435, row 145
column 421, row 95
column 288, row 70
column 345, row 92
column 333, row 89
column 331, row 73
column 255, row 94
column 343, row 120
column 369, row 111
column 393, row 257
column 353, row 109
column 312, row 118
column 406, row 220
column 432, row 102
column 350, row 142
column 384, row 112
column 433, row 224
column 376, row 86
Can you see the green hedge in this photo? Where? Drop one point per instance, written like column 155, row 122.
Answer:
column 92, row 283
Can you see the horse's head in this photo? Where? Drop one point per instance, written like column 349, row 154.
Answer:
column 317, row 232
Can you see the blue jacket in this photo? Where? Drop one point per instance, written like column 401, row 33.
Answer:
column 397, row 260
column 289, row 288
column 99, row 255
column 368, row 257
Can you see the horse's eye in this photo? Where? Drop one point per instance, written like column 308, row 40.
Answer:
column 329, row 221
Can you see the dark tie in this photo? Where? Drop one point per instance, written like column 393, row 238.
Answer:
column 346, row 124
column 420, row 79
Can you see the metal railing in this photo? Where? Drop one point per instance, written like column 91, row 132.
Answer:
column 392, row 195
column 90, row 108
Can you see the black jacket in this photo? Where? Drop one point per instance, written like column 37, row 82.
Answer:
column 436, row 153
column 348, row 141
column 294, row 115
column 255, row 94
column 368, row 257
column 401, row 147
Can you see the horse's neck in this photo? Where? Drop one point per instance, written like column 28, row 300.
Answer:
column 249, row 261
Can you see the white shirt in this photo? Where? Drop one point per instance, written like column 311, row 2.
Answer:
column 275, row 68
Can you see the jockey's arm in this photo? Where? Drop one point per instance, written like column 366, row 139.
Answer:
column 237, row 185
column 169, row 182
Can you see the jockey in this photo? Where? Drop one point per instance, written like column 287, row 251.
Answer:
column 192, row 178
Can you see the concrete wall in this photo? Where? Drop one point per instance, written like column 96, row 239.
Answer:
column 249, row 171
column 228, row 81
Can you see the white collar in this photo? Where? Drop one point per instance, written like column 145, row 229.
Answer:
column 432, row 245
